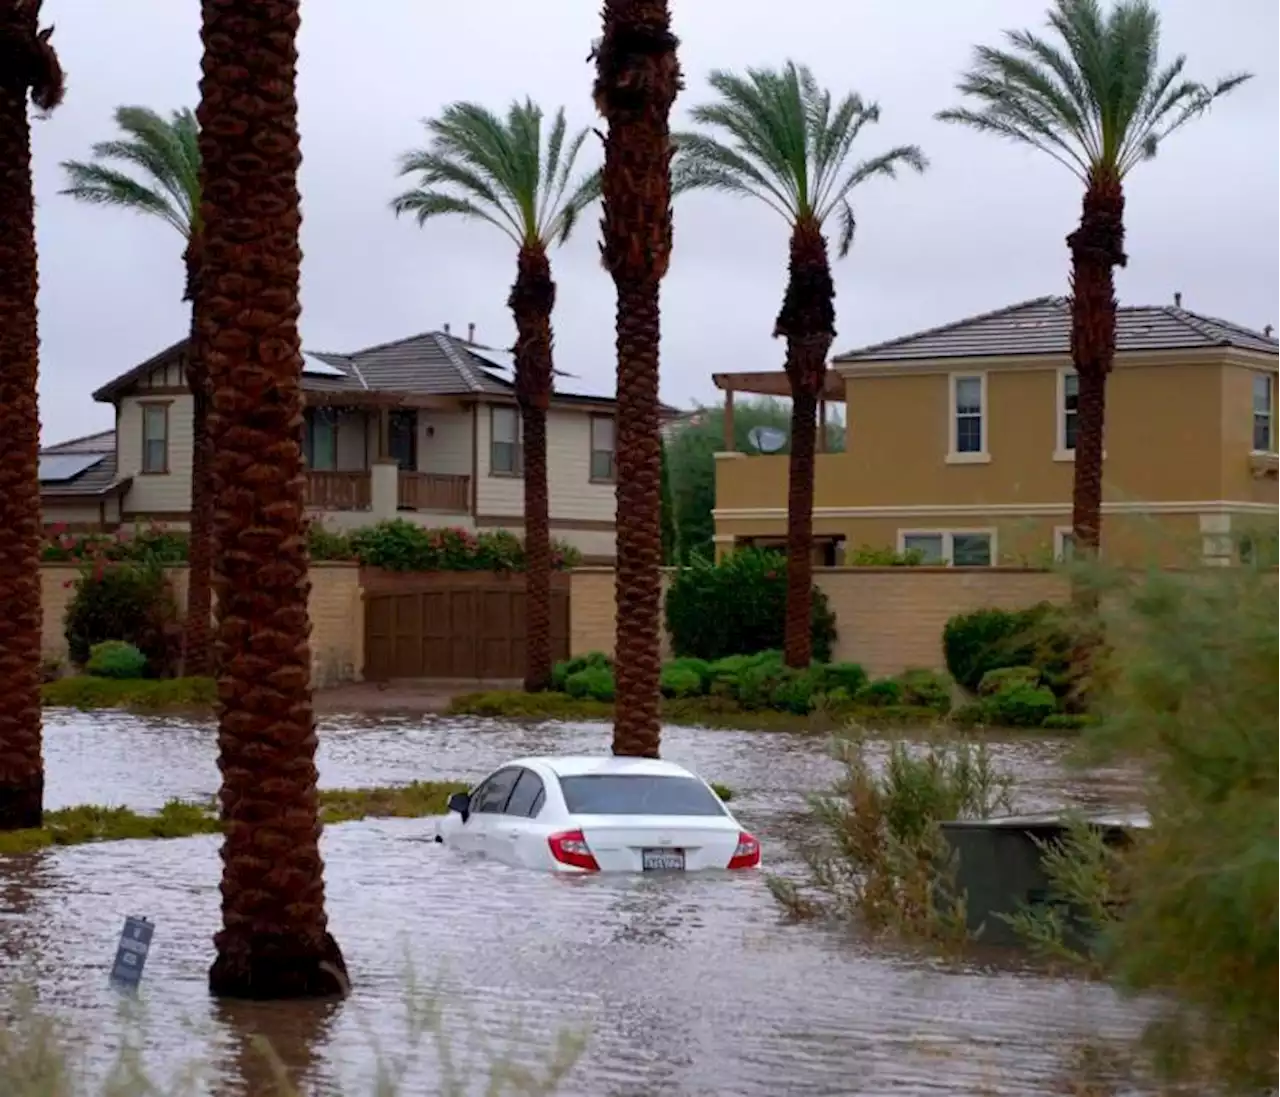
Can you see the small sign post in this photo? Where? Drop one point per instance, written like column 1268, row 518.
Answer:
column 131, row 953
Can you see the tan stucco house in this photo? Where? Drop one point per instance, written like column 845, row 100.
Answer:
column 424, row 428
column 960, row 442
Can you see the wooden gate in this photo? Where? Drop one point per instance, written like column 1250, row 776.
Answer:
column 452, row 624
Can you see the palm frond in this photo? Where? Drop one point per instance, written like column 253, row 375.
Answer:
column 501, row 167
column 1097, row 101
column 165, row 155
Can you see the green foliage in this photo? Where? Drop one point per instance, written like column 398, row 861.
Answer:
column 116, row 659
column 123, row 601
column 849, row 677
column 87, row 692
column 562, row 670
column 995, row 639
column 969, row 714
column 925, row 689
column 1004, row 677
column 670, row 536
column 883, row 861
column 797, row 690
column 679, row 681
column 700, row 667
column 738, row 606
column 1020, row 706
column 883, row 691
column 864, row 556
column 1068, row 721
column 593, row 683
column 401, row 545
column 145, row 544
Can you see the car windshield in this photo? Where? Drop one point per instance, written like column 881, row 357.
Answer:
column 638, row 794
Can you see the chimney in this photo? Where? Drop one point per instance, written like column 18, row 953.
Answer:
column 1177, row 299
column 446, row 329
column 471, row 333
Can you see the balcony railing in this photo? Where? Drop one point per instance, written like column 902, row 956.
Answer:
column 338, row 490
column 434, row 491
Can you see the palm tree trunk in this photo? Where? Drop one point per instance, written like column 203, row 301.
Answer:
column 274, row 941
column 532, row 298
column 27, row 64
column 637, row 78
column 196, row 632
column 1097, row 247
column 807, row 319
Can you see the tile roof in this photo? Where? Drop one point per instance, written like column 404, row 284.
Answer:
column 1043, row 326
column 98, row 479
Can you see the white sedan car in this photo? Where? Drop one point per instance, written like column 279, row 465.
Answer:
column 606, row 814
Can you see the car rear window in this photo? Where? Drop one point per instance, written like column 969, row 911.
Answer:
column 638, row 794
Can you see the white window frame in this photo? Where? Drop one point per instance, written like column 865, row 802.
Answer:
column 948, row 542
column 1256, row 414
column 1060, row 450
column 1060, row 535
column 983, row 456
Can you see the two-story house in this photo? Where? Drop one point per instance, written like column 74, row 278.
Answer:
column 424, row 428
column 960, row 442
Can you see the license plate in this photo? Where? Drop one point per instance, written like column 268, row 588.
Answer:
column 662, row 860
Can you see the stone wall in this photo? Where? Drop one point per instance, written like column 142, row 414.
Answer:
column 888, row 618
column 336, row 606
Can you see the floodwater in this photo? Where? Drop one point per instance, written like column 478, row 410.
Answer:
column 681, row 986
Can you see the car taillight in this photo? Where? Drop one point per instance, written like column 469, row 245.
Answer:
column 569, row 847
column 747, row 855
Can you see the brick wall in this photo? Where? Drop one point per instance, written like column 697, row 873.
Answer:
column 336, row 607
column 888, row 618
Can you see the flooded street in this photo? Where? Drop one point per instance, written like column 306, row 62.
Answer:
column 684, row 986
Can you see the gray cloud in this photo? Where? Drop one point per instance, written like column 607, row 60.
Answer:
column 982, row 229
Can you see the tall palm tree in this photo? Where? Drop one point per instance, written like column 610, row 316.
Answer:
column 28, row 67
column 165, row 154
column 776, row 136
column 1099, row 103
column 637, row 80
column 489, row 169
column 274, row 941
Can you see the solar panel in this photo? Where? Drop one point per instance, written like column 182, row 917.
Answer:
column 55, row 467
column 313, row 365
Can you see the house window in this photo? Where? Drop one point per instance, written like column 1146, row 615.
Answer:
column 603, row 448
column 155, row 438
column 1068, row 410
column 968, row 418
column 320, row 439
column 505, row 458
column 961, row 548
column 1263, row 406
column 402, row 440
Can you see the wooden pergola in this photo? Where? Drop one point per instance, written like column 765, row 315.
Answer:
column 772, row 383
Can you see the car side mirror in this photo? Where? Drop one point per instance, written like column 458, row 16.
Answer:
column 461, row 803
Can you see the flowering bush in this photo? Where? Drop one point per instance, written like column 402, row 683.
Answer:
column 400, row 545
column 152, row 543
column 123, row 600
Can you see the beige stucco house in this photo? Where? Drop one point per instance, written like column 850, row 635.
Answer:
column 424, row 428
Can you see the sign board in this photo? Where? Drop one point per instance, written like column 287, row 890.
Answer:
column 131, row 952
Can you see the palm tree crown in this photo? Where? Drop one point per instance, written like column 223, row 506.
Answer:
column 481, row 166
column 1098, row 102
column 165, row 154
column 786, row 144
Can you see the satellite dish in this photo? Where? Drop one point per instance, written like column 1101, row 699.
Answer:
column 767, row 439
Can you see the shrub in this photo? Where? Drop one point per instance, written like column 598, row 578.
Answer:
column 883, row 691
column 1004, row 677
column 677, row 681
column 864, row 556
column 593, row 683
column 796, row 691
column 1067, row 721
column 147, row 544
column 970, row 714
column 926, row 689
column 400, row 545
column 700, row 667
column 849, row 677
column 116, row 659
column 738, row 606
column 123, row 601
column 755, row 684
column 994, row 639
column 1021, row 706
column 561, row 671
column 326, row 545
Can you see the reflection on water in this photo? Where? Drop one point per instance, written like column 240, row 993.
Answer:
column 688, row 986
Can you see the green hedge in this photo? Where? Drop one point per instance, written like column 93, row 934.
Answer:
column 738, row 606
column 997, row 639
column 401, row 545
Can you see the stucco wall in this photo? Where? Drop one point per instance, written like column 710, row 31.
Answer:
column 336, row 607
column 888, row 618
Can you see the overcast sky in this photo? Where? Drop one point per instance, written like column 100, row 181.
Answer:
column 983, row 228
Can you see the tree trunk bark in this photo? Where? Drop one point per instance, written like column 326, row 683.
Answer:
column 807, row 320
column 532, row 299
column 274, row 942
column 196, row 633
column 637, row 78
column 27, row 65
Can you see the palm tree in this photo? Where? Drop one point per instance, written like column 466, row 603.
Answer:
column 28, row 67
column 166, row 155
column 1099, row 103
column 637, row 79
column 274, row 941
column 482, row 167
column 776, row 136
